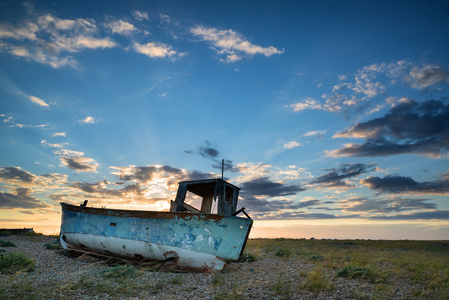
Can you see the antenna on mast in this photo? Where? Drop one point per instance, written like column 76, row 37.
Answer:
column 222, row 168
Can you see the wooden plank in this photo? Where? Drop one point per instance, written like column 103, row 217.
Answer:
column 206, row 206
column 190, row 208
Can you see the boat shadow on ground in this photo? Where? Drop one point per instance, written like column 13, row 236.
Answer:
column 169, row 265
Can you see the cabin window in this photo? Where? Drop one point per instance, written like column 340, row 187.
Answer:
column 193, row 200
column 113, row 224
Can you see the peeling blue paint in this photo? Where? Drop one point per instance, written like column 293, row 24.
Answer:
column 198, row 234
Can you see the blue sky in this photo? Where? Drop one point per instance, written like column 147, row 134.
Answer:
column 332, row 116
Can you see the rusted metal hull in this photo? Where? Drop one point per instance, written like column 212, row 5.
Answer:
column 198, row 241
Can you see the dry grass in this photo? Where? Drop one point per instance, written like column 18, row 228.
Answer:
column 383, row 264
column 270, row 269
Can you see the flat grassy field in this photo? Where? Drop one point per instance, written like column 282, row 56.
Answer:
column 387, row 269
column 32, row 267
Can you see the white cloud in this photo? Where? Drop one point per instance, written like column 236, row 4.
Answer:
column 27, row 30
column 370, row 83
column 7, row 119
column 156, row 50
column 252, row 170
column 291, row 145
column 165, row 18
column 44, row 142
column 60, row 134
column 318, row 133
column 375, row 109
column 232, row 58
column 66, row 152
column 88, row 120
column 43, row 38
column 12, row 123
column 19, row 51
column 231, row 44
column 79, row 42
column 38, row 101
column 140, row 15
column 307, row 103
column 121, row 27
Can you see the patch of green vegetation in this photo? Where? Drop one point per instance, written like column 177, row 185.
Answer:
column 317, row 257
column 218, row 278
column 318, row 281
column 33, row 234
column 7, row 244
column 13, row 262
column 159, row 286
column 178, row 279
column 248, row 257
column 83, row 283
column 283, row 253
column 120, row 271
column 354, row 272
column 5, row 234
column 282, row 287
column 53, row 246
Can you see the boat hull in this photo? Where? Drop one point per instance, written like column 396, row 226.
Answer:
column 197, row 241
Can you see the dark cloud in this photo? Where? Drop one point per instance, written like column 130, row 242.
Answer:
column 302, row 215
column 89, row 187
column 388, row 205
column 253, row 191
column 135, row 189
column 101, row 188
column 16, row 174
column 327, row 208
column 400, row 184
column 264, row 186
column 428, row 215
column 264, row 206
column 194, row 175
column 207, row 151
column 22, row 198
column 58, row 197
column 142, row 174
column 79, row 163
column 334, row 178
column 147, row 173
column 409, row 127
column 425, row 76
column 227, row 165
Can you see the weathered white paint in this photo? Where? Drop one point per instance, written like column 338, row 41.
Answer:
column 131, row 248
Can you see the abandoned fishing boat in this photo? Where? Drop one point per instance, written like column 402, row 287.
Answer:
column 200, row 239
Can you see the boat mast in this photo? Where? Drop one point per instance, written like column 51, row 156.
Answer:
column 222, row 168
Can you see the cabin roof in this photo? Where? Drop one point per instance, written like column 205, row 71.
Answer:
column 205, row 181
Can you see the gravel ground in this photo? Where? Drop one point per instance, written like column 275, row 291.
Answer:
column 58, row 276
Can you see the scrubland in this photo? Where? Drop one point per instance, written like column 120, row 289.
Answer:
column 34, row 267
